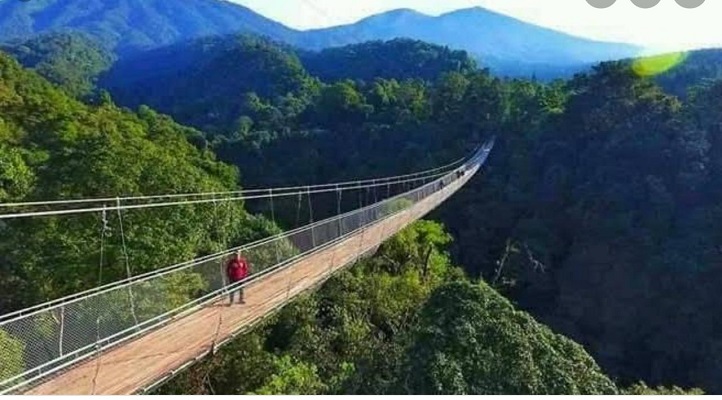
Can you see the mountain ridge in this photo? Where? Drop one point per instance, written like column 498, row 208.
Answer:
column 508, row 46
column 506, row 41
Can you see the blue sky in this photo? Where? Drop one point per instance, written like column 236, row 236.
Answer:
column 664, row 27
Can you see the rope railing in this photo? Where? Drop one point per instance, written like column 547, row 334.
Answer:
column 271, row 193
column 51, row 337
column 140, row 202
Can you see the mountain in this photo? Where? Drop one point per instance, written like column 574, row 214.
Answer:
column 498, row 41
column 507, row 45
column 210, row 82
column 130, row 25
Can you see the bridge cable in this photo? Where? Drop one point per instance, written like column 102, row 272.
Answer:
column 127, row 264
column 339, row 195
column 298, row 210
column 217, row 218
column 273, row 219
column 310, row 217
column 104, row 233
column 362, row 226
column 97, row 356
column 226, row 193
column 340, row 232
column 186, row 202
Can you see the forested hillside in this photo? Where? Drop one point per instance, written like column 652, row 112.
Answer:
column 601, row 223
column 358, row 335
column 210, row 82
column 697, row 68
column 506, row 45
column 394, row 59
column 596, row 213
column 53, row 147
column 70, row 60
column 128, row 26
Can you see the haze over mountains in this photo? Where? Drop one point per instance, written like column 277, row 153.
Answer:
column 500, row 42
column 496, row 40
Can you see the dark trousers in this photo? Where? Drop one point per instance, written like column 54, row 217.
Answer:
column 233, row 292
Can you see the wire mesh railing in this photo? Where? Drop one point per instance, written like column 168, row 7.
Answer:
column 47, row 340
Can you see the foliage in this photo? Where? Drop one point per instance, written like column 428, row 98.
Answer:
column 70, row 60
column 395, row 59
column 12, row 354
column 697, row 68
column 641, row 389
column 598, row 205
column 293, row 379
column 597, row 213
column 597, row 217
column 470, row 340
column 211, row 82
column 60, row 149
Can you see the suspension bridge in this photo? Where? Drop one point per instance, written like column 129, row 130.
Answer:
column 129, row 336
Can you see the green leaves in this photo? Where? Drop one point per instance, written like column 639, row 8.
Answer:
column 70, row 60
column 641, row 389
column 16, row 177
column 12, row 351
column 471, row 341
column 53, row 147
column 293, row 378
column 395, row 59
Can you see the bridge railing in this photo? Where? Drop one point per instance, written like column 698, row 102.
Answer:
column 45, row 341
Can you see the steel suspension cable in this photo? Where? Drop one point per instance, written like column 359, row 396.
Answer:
column 273, row 219
column 225, row 193
column 310, row 217
column 234, row 198
column 127, row 264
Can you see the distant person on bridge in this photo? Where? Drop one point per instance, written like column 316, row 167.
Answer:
column 237, row 270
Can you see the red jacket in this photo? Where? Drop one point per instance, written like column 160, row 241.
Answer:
column 237, row 269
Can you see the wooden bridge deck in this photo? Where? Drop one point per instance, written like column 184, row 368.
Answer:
column 133, row 366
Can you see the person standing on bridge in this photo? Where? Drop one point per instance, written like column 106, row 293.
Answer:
column 237, row 270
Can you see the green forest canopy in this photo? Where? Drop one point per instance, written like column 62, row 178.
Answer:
column 597, row 212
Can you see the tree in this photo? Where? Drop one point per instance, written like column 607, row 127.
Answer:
column 60, row 149
column 642, row 389
column 340, row 104
column 12, row 354
column 293, row 378
column 470, row 340
column 72, row 61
